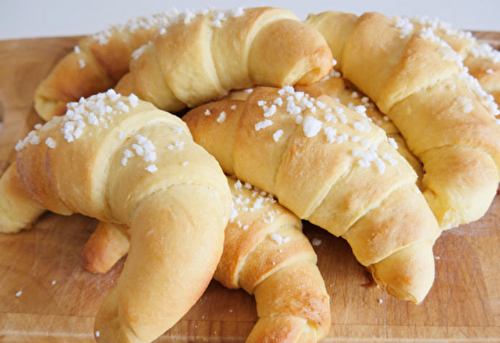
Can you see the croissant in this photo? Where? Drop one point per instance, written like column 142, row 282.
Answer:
column 200, row 57
column 330, row 165
column 198, row 60
column 17, row 209
column 420, row 83
column 177, row 205
column 265, row 253
column 96, row 64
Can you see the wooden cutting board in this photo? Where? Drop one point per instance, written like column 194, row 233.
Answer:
column 59, row 300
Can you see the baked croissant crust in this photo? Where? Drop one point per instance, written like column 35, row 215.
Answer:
column 191, row 63
column 330, row 165
column 265, row 253
column 121, row 160
column 178, row 60
column 420, row 83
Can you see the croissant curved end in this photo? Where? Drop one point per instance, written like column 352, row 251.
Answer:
column 17, row 210
column 407, row 274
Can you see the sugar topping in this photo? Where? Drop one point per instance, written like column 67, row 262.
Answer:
column 50, row 142
column 32, row 138
column 81, row 63
column 277, row 135
column 97, row 110
column 278, row 101
column 393, row 142
column 432, row 28
column 161, row 21
column 486, row 51
column 179, row 145
column 139, row 51
column 329, row 123
column 332, row 74
column 247, row 198
column 362, row 126
column 380, row 165
column 311, row 126
column 404, row 25
column 143, row 148
column 263, row 124
column 475, row 49
column 127, row 154
column 465, row 104
column 177, row 129
column 436, row 24
column 389, row 158
column 233, row 214
column 472, row 83
column 219, row 16
column 237, row 185
column 473, row 86
column 277, row 238
column 151, row 168
column 330, row 133
column 156, row 21
column 222, row 117
column 269, row 111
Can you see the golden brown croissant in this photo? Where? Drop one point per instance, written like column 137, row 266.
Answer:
column 121, row 160
column 200, row 57
column 420, row 83
column 264, row 252
column 332, row 166
column 195, row 61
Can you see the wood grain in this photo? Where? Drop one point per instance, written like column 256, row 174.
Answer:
column 59, row 300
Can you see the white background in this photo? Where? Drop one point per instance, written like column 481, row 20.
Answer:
column 42, row 18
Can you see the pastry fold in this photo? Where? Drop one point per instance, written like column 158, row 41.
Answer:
column 330, row 165
column 185, row 59
column 420, row 83
column 121, row 160
column 266, row 253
